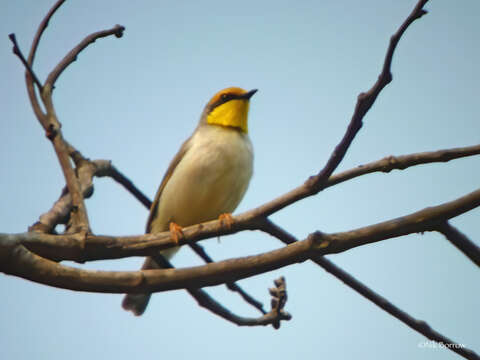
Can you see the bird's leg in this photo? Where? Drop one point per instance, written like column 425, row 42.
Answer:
column 176, row 232
column 226, row 220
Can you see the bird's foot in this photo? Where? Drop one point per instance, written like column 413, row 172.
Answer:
column 226, row 220
column 176, row 232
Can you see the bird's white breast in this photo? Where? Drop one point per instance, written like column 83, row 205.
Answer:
column 211, row 178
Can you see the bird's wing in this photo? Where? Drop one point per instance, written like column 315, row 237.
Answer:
column 171, row 168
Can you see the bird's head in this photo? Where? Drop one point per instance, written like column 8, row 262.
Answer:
column 229, row 107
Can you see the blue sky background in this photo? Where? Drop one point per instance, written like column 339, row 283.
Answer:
column 134, row 100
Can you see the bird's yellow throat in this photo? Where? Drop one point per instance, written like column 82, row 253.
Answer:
column 233, row 113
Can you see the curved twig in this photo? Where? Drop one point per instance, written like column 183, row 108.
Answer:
column 233, row 286
column 274, row 317
column 41, row 28
column 117, row 30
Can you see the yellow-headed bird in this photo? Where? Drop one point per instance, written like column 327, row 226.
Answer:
column 206, row 179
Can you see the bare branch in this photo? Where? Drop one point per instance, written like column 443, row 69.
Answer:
column 364, row 102
column 116, row 175
column 18, row 52
column 427, row 219
column 418, row 325
column 52, row 127
column 60, row 211
column 49, row 120
column 460, row 241
column 31, row 56
column 198, row 249
column 41, row 28
column 117, row 30
column 423, row 220
column 16, row 260
column 403, row 162
column 204, row 300
column 112, row 247
column 21, row 262
column 273, row 317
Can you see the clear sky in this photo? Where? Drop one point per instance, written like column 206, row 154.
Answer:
column 134, row 100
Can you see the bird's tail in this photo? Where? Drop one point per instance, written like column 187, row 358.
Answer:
column 137, row 303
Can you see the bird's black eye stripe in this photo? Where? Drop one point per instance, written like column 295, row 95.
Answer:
column 226, row 97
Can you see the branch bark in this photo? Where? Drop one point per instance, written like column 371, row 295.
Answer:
column 21, row 262
column 273, row 317
column 117, row 30
column 418, row 325
column 111, row 247
column 461, row 242
column 364, row 102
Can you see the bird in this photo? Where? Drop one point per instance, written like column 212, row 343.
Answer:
column 206, row 179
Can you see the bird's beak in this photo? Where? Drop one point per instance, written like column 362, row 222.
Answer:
column 249, row 94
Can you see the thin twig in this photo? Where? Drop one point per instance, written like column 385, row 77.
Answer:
column 461, row 242
column 200, row 251
column 41, row 28
column 41, row 116
column 418, row 325
column 116, row 175
column 16, row 50
column 366, row 100
column 403, row 162
column 117, row 30
column 203, row 299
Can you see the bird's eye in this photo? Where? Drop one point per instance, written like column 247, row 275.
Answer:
column 224, row 96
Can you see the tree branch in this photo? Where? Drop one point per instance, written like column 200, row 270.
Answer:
column 116, row 175
column 49, row 120
column 117, row 30
column 23, row 263
column 115, row 247
column 15, row 259
column 230, row 285
column 364, row 102
column 403, row 162
column 274, row 317
column 41, row 28
column 31, row 56
column 418, row 325
column 16, row 50
column 460, row 241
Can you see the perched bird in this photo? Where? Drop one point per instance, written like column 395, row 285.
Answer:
column 206, row 179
